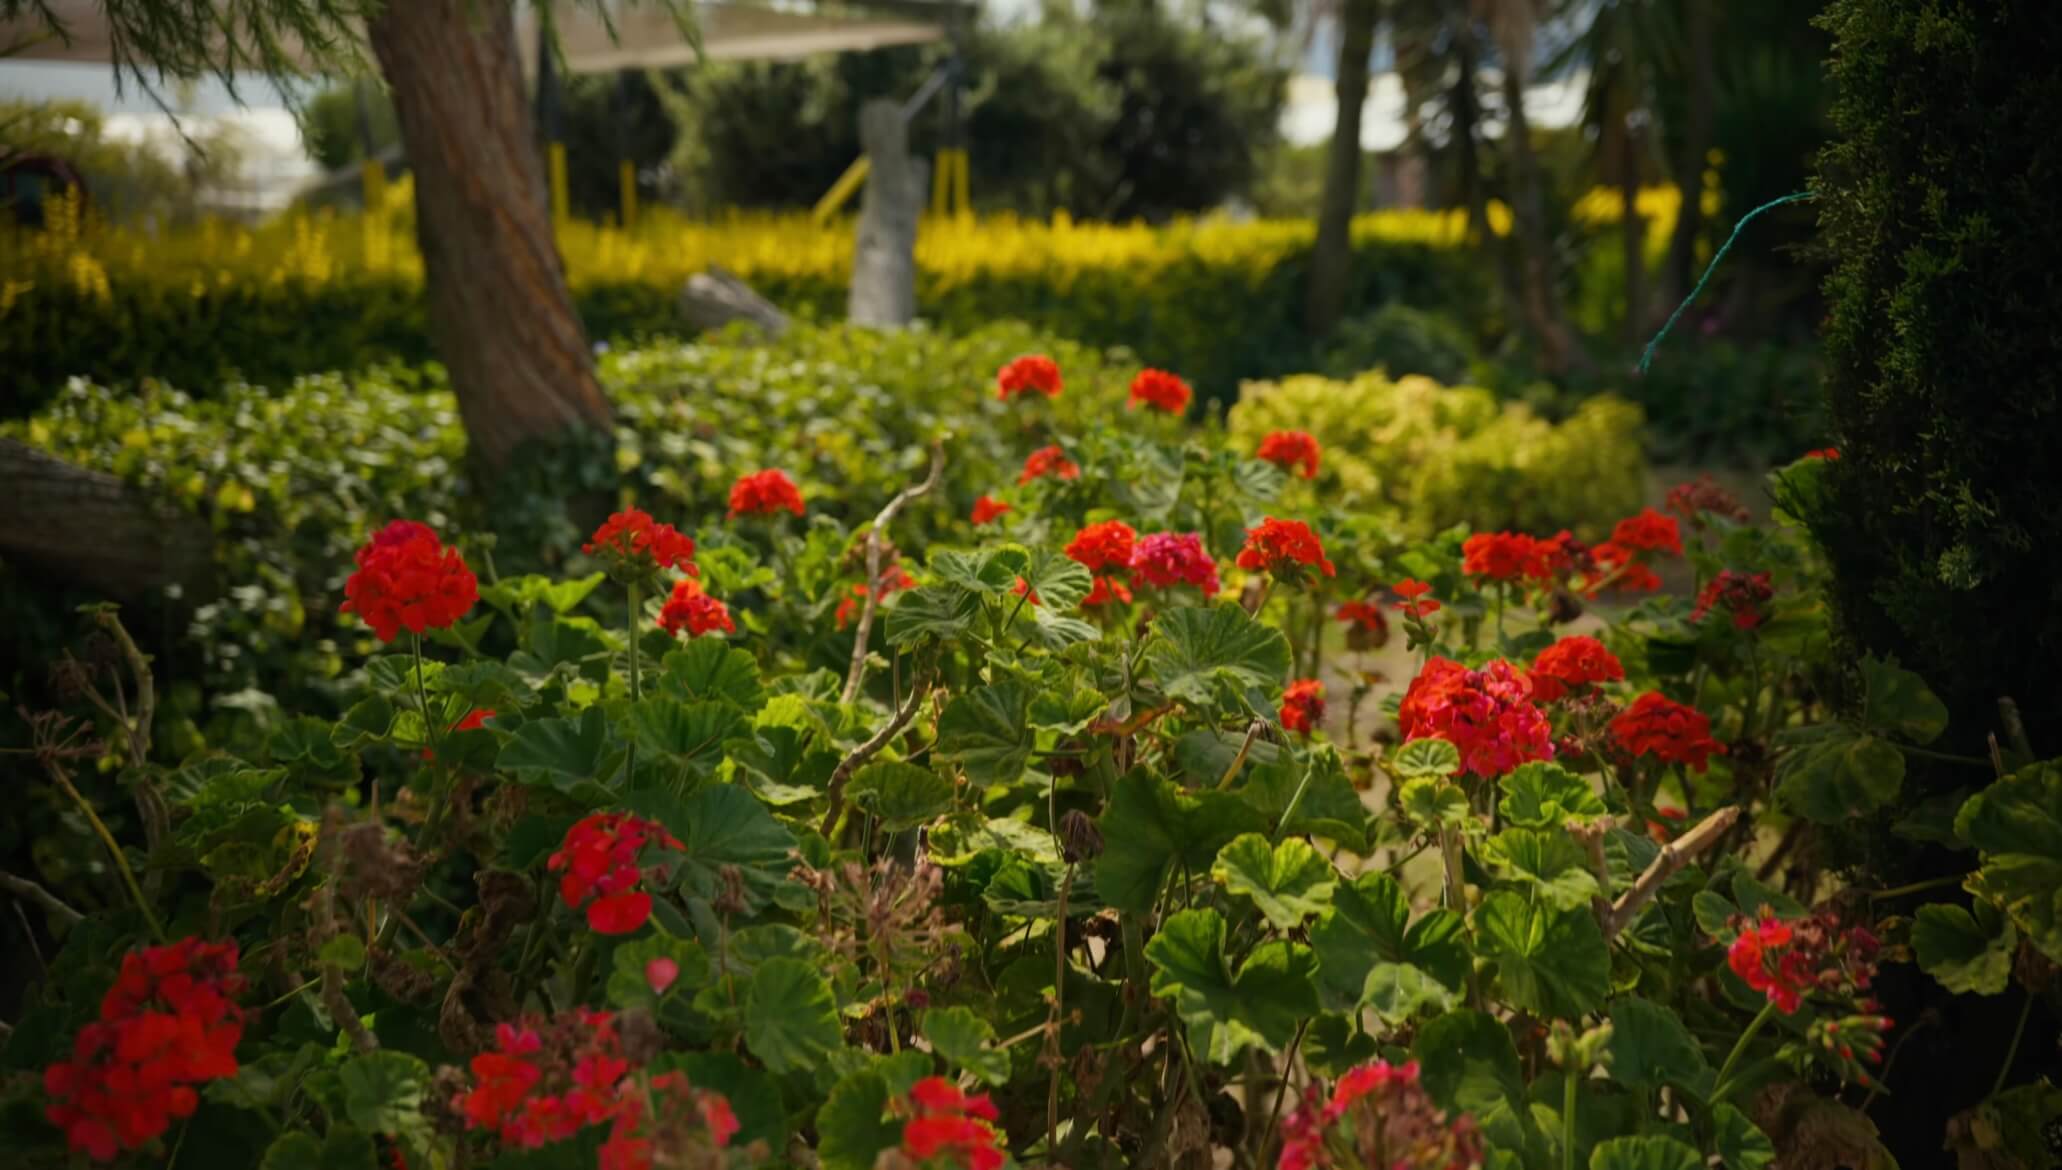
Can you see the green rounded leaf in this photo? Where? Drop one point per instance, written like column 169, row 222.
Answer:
column 1547, row 862
column 1541, row 795
column 1644, row 1153
column 1398, row 991
column 1215, row 654
column 1650, row 1047
column 2016, row 823
column 902, row 795
column 1260, row 1006
column 1149, row 826
column 1966, row 952
column 987, row 732
column 1551, row 962
column 967, row 1040
column 791, row 1017
column 853, row 1127
column 1287, row 882
column 1425, row 757
column 1741, row 1144
column 1898, row 700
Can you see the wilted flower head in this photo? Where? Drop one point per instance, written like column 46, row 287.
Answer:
column 1378, row 1117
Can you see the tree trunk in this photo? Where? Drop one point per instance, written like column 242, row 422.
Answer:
column 500, row 312
column 1466, row 105
column 883, row 290
column 1696, row 144
column 1542, row 304
column 1331, row 259
column 89, row 528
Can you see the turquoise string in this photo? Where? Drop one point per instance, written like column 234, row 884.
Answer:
column 1647, row 358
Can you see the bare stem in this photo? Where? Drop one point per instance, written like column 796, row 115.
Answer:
column 865, row 752
column 29, row 891
column 1591, row 838
column 856, row 673
column 1674, row 855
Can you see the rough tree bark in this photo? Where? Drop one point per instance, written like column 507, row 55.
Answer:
column 883, row 291
column 91, row 529
column 1696, row 144
column 1332, row 257
column 1632, row 228
column 500, row 311
column 1558, row 350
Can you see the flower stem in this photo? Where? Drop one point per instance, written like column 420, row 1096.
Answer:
column 422, row 696
column 1725, row 1071
column 634, row 599
column 114, row 850
column 2012, row 1052
column 1953, row 879
column 1568, row 1119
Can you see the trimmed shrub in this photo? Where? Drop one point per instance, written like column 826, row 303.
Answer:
column 1439, row 455
column 1401, row 339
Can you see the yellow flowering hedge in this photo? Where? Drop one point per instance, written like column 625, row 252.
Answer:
column 1215, row 299
column 1439, row 455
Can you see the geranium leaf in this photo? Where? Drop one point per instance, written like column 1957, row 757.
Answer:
column 1149, row 826
column 1433, row 802
column 1650, row 1047
column 791, row 1018
column 629, row 984
column 943, row 612
column 1199, row 654
column 1469, row 1063
column 569, row 755
column 1316, row 798
column 710, row 668
column 1653, row 1152
column 967, row 1040
column 1260, row 1006
column 383, row 1093
column 720, row 825
column 1368, row 924
column 2016, row 824
column 1966, row 952
column 1551, row 962
column 1741, row 1144
column 987, row 732
column 1540, row 795
column 1058, row 581
column 1898, row 700
column 1833, row 773
column 854, row 1126
column 1425, row 757
column 902, row 795
column 1287, row 882
column 1548, row 863
column 1398, row 991
column 666, row 727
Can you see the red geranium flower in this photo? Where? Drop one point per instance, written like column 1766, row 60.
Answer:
column 1378, row 1117
column 1671, row 732
column 1284, row 547
column 1290, row 449
column 1739, row 594
column 1617, row 567
column 1570, row 663
column 635, row 547
column 1031, row 374
column 1498, row 556
column 949, row 1128
column 988, row 508
column 1104, row 545
column 1649, row 531
column 168, row 1025
column 1105, row 591
column 1415, row 604
column 1161, row 391
column 407, row 579
column 692, row 610
column 1166, row 559
column 1048, row 461
column 599, row 860
column 1823, row 453
column 763, row 493
column 1487, row 714
column 1303, row 705
column 1367, row 627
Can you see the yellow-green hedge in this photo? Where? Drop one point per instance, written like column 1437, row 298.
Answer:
column 1438, row 455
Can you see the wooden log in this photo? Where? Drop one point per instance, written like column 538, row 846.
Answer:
column 89, row 528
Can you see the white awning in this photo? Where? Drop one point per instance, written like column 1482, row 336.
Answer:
column 645, row 35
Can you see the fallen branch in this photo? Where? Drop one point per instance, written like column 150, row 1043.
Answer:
column 1674, row 856
column 863, row 753
column 856, row 673
column 29, row 891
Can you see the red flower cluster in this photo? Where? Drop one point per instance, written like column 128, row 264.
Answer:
column 682, row 1126
column 1106, row 590
column 1487, row 714
column 170, row 1023
column 763, row 493
column 1367, row 627
column 1570, row 663
column 1616, row 567
column 1787, row 960
column 1104, row 545
column 1828, row 453
column 988, row 508
column 1499, row 556
column 1693, row 500
column 1378, row 1118
column 1161, row 391
column 950, row 1128
column 1303, row 705
column 635, row 546
column 1739, row 594
column 1669, row 731
column 692, row 610
column 1415, row 604
column 1048, row 461
column 407, row 579
column 1291, row 449
column 546, row 1080
column 1284, row 548
column 599, row 857
column 1649, row 531
column 893, row 577
column 1166, row 559
column 1030, row 374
